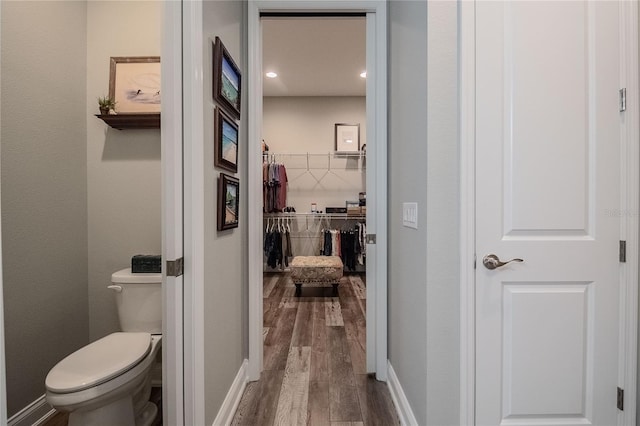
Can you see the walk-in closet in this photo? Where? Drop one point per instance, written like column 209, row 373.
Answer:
column 314, row 165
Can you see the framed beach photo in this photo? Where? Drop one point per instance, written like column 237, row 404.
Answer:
column 228, row 206
column 347, row 137
column 134, row 84
column 226, row 141
column 227, row 80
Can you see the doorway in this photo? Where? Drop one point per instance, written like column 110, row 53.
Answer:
column 376, row 181
column 314, row 182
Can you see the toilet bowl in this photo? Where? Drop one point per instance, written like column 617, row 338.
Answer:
column 108, row 382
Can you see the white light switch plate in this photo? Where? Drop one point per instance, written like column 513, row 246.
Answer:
column 410, row 215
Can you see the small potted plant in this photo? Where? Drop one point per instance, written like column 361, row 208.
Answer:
column 106, row 104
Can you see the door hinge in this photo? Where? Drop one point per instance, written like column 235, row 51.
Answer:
column 371, row 238
column 623, row 251
column 175, row 268
column 623, row 100
column 620, row 399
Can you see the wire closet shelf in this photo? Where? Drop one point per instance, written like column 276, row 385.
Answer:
column 316, row 161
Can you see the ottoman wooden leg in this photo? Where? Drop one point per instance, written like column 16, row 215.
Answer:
column 335, row 289
column 298, row 289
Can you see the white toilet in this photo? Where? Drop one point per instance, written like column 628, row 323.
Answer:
column 108, row 382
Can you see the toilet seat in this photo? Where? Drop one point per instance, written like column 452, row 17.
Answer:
column 98, row 362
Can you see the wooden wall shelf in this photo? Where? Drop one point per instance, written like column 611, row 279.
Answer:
column 131, row 121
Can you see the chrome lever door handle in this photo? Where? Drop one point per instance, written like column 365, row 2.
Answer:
column 491, row 261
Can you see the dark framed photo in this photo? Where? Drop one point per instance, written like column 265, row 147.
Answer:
column 226, row 141
column 347, row 137
column 134, row 84
column 227, row 80
column 228, row 206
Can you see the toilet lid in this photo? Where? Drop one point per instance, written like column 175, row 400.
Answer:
column 98, row 362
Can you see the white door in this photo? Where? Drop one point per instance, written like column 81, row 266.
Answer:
column 547, row 176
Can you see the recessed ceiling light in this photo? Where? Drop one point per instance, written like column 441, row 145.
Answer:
column 363, row 74
column 271, row 74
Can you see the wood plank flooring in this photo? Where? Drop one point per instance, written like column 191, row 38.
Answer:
column 314, row 360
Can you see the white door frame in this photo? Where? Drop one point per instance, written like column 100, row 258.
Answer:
column 629, row 212
column 193, row 137
column 172, row 219
column 3, row 384
column 376, row 130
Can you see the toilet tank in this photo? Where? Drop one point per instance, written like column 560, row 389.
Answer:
column 139, row 300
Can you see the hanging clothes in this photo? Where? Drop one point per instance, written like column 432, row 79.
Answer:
column 362, row 243
column 348, row 249
column 335, row 242
column 274, row 187
column 272, row 248
column 277, row 247
column 347, row 244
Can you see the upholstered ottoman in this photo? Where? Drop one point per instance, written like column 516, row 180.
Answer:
column 316, row 270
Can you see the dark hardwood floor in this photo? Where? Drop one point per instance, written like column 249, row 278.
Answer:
column 314, row 360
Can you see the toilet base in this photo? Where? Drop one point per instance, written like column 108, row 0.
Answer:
column 119, row 413
column 148, row 415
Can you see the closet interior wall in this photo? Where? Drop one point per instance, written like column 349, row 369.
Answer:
column 300, row 134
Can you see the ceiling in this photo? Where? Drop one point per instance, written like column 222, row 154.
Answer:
column 314, row 56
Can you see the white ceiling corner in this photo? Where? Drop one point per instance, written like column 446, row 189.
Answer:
column 314, row 56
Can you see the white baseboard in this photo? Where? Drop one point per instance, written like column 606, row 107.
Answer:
column 399, row 399
column 33, row 414
column 231, row 401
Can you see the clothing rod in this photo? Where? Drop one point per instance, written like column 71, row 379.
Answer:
column 320, row 215
column 316, row 154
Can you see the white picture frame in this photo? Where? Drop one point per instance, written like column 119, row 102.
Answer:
column 347, row 137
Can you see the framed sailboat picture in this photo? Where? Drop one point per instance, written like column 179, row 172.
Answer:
column 227, row 80
column 228, row 204
column 226, row 141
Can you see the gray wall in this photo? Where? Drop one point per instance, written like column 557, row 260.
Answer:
column 423, row 269
column 123, row 166
column 407, row 165
column 44, row 192
column 79, row 198
column 443, row 205
column 225, row 256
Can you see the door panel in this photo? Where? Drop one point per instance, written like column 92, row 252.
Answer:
column 543, row 60
column 528, row 366
column 547, row 176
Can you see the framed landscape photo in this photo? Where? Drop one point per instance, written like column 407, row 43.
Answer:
column 347, row 137
column 227, row 80
column 134, row 84
column 228, row 206
column 225, row 141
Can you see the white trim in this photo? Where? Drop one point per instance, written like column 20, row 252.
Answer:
column 172, row 221
column 36, row 413
column 377, row 178
column 378, row 127
column 630, row 205
column 403, row 408
column 254, row 195
column 193, row 129
column 232, row 400
column 3, row 385
column 466, row 25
